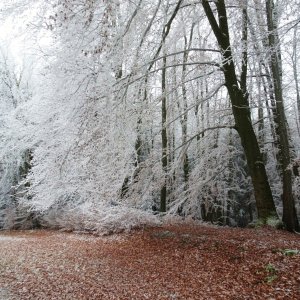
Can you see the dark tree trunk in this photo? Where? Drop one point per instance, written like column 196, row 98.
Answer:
column 289, row 217
column 184, row 120
column 164, row 139
column 241, row 112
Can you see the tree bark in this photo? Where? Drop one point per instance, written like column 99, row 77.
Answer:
column 184, row 120
column 295, row 71
column 289, row 217
column 241, row 112
column 164, row 138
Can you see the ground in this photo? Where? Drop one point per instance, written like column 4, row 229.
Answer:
column 169, row 262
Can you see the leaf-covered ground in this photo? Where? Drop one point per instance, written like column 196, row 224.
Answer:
column 169, row 262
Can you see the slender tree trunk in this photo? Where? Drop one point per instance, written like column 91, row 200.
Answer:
column 241, row 112
column 164, row 138
column 184, row 120
column 295, row 70
column 266, row 80
column 289, row 211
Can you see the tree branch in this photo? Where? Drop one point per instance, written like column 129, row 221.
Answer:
column 166, row 31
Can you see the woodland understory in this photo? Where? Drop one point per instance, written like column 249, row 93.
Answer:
column 117, row 114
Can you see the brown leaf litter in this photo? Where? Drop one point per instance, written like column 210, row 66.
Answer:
column 169, row 262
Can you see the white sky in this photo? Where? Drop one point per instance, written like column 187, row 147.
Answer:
column 15, row 39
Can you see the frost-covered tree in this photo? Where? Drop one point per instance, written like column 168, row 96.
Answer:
column 15, row 149
column 134, row 107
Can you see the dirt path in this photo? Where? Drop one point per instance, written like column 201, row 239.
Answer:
column 175, row 262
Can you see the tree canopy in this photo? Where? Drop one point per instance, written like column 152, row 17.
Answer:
column 116, row 112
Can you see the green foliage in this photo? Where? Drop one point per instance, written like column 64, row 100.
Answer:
column 271, row 270
column 259, row 223
column 290, row 252
column 274, row 222
column 271, row 278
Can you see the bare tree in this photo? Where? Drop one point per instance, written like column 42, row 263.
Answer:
column 241, row 112
column 289, row 211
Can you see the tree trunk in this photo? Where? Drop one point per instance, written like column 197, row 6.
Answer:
column 164, row 138
column 241, row 112
column 184, row 120
column 289, row 217
column 295, row 71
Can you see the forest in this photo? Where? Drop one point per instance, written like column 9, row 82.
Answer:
column 116, row 114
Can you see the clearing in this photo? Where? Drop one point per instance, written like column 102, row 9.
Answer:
column 169, row 262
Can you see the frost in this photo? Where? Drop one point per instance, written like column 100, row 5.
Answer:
column 100, row 220
column 81, row 115
column 11, row 238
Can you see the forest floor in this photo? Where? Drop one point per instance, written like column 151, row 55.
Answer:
column 168, row 262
